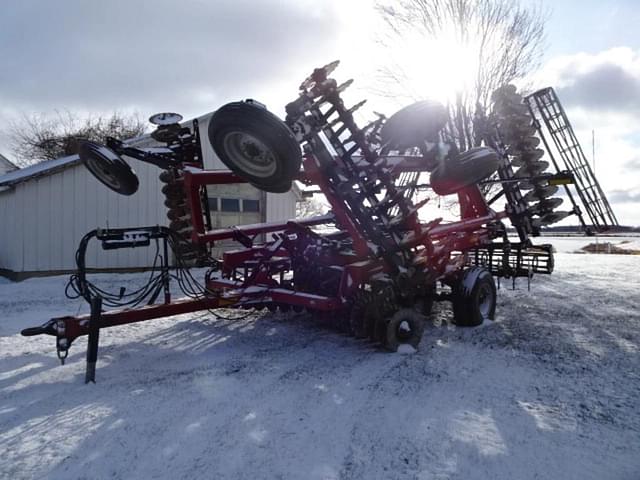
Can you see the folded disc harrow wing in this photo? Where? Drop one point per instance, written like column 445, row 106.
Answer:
column 377, row 271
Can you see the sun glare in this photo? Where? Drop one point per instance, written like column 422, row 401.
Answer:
column 437, row 68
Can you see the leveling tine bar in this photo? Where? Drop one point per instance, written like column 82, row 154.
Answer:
column 592, row 198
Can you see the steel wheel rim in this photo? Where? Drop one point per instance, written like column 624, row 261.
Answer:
column 404, row 331
column 104, row 173
column 250, row 154
column 485, row 300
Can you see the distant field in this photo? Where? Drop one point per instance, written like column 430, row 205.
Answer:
column 572, row 244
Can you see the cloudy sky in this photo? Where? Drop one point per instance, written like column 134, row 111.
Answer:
column 192, row 56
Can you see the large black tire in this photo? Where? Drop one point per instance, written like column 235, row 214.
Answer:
column 255, row 145
column 468, row 168
column 405, row 327
column 108, row 167
column 358, row 314
column 413, row 124
column 474, row 297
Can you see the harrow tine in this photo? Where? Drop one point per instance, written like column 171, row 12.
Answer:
column 356, row 106
column 330, row 67
column 342, row 87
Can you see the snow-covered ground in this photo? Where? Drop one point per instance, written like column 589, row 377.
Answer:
column 550, row 390
column 573, row 244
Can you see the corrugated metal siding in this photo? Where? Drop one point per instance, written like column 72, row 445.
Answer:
column 10, row 250
column 42, row 220
column 46, row 218
column 281, row 206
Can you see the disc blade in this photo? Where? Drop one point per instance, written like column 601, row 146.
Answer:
column 531, row 169
column 526, row 157
column 544, row 207
column 553, row 217
column 540, row 193
column 529, row 143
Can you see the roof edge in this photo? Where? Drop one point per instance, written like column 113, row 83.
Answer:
column 12, row 166
column 47, row 167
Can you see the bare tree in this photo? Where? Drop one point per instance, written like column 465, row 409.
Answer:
column 37, row 138
column 503, row 40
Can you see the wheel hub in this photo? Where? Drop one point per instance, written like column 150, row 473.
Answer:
column 250, row 154
column 404, row 331
column 105, row 172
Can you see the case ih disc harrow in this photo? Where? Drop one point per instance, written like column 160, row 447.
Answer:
column 379, row 270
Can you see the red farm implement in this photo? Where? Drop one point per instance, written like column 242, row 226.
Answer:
column 380, row 266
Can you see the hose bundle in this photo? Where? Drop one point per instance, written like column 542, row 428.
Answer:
column 159, row 278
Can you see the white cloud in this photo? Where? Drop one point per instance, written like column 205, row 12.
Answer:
column 607, row 83
column 601, row 93
column 194, row 55
column 190, row 57
column 625, row 196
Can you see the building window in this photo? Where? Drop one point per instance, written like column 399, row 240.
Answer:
column 229, row 204
column 250, row 205
column 213, row 204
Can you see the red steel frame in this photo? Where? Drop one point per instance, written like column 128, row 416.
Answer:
column 434, row 241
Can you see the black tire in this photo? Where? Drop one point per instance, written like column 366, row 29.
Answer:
column 467, row 169
column 358, row 313
column 423, row 303
column 272, row 307
column 372, row 317
column 108, row 167
column 255, row 145
column 474, row 297
column 380, row 329
column 405, row 327
column 412, row 125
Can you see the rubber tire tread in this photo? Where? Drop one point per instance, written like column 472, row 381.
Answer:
column 412, row 125
column 269, row 129
column 466, row 311
column 128, row 179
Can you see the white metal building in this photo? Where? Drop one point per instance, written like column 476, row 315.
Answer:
column 45, row 210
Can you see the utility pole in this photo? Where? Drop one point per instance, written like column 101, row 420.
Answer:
column 593, row 150
column 593, row 160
